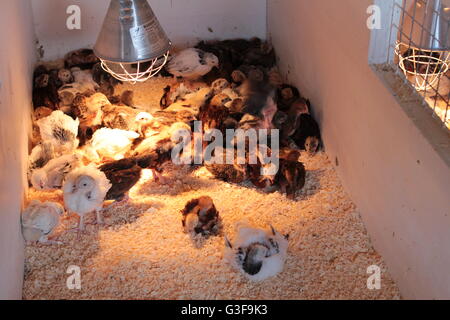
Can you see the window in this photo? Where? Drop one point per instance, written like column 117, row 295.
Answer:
column 410, row 52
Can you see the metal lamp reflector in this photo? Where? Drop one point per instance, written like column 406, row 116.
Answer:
column 132, row 45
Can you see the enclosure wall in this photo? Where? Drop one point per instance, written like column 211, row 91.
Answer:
column 185, row 21
column 17, row 56
column 402, row 187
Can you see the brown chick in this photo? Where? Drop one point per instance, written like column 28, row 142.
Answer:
column 82, row 58
column 45, row 89
column 155, row 158
column 214, row 113
column 123, row 175
column 286, row 96
column 291, row 176
column 200, row 216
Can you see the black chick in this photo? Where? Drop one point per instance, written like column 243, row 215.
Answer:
column 286, row 95
column 291, row 176
column 82, row 58
column 45, row 89
column 123, row 175
column 105, row 80
column 200, row 216
column 156, row 158
column 307, row 135
column 293, row 118
column 260, row 102
column 264, row 56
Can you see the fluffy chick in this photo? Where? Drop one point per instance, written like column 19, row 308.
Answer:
column 200, row 216
column 40, row 156
column 39, row 220
column 192, row 102
column 105, row 80
column 257, row 254
column 291, row 176
column 45, row 89
column 192, row 63
column 52, row 175
column 307, row 135
column 261, row 103
column 84, row 191
column 123, row 175
column 214, row 113
column 178, row 91
column 82, row 58
column 125, row 118
column 286, row 96
column 60, row 130
column 112, row 144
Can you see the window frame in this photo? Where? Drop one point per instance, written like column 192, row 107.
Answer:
column 382, row 62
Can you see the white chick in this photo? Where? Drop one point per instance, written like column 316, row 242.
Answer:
column 192, row 63
column 39, row 220
column 61, row 131
column 113, row 143
column 52, row 175
column 85, row 79
column 84, row 191
column 257, row 254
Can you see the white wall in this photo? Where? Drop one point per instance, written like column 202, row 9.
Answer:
column 185, row 21
column 399, row 183
column 17, row 56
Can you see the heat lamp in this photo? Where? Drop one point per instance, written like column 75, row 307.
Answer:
column 424, row 56
column 132, row 46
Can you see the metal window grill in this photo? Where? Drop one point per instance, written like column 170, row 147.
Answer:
column 422, row 51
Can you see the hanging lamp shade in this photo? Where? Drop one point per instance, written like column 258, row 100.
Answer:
column 132, row 45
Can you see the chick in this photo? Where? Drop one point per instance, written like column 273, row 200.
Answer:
column 112, row 144
column 39, row 220
column 105, row 80
column 231, row 173
column 192, row 102
column 261, row 103
column 307, row 136
column 65, row 76
column 123, row 175
column 192, row 63
column 200, row 216
column 45, row 89
column 125, row 118
column 292, row 123
column 257, row 254
column 85, row 79
column 214, row 113
column 286, row 95
column 40, row 156
column 83, row 84
column 291, row 175
column 60, row 130
column 219, row 85
column 41, row 112
column 178, row 91
column 156, row 150
column 52, row 175
column 84, row 191
column 82, row 58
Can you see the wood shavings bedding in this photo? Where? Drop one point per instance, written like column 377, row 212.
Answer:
column 142, row 253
